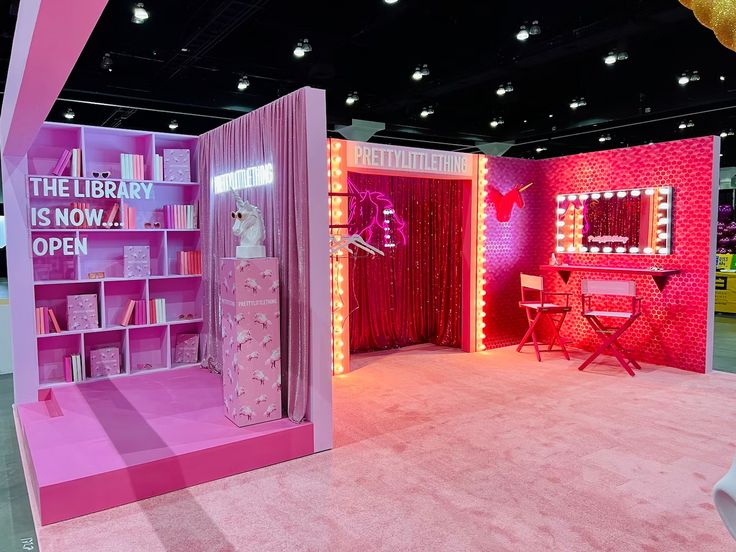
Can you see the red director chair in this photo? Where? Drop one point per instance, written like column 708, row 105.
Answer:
column 540, row 308
column 609, row 335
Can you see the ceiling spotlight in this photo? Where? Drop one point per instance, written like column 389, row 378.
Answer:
column 523, row 34
column 69, row 114
column 578, row 102
column 140, row 14
column 682, row 125
column 614, row 56
column 106, row 63
column 420, row 72
column 426, row 112
column 540, row 149
column 302, row 47
column 688, row 77
column 390, row 1
column 243, row 83
column 604, row 138
column 535, row 29
column 496, row 121
column 721, row 78
column 503, row 89
column 690, row 124
column 352, row 98
column 173, row 125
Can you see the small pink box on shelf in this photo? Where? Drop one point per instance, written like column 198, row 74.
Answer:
column 176, row 165
column 251, row 348
column 104, row 361
column 81, row 312
column 136, row 261
column 187, row 349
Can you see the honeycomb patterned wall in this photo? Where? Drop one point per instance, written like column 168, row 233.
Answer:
column 673, row 328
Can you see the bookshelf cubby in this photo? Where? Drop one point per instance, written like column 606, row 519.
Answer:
column 143, row 348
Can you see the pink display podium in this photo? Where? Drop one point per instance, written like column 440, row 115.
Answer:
column 251, row 349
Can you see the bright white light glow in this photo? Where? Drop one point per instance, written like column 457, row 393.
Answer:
column 649, row 191
column 560, row 236
column 648, row 250
column 663, row 251
column 620, row 250
column 299, row 52
column 608, row 195
column 251, row 177
column 522, row 35
column 595, row 249
column 663, row 221
column 595, row 196
column 620, row 194
column 635, row 193
column 560, row 223
column 572, row 197
column 583, row 197
column 583, row 249
column 664, row 206
column 571, row 249
column 607, row 250
column 560, row 198
column 610, row 59
column 560, row 249
column 683, row 80
column 633, row 249
column 664, row 191
column 560, row 211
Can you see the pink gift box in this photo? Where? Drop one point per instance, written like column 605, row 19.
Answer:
column 81, row 312
column 187, row 349
column 176, row 165
column 136, row 261
column 104, row 361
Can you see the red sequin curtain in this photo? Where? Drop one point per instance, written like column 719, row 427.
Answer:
column 414, row 293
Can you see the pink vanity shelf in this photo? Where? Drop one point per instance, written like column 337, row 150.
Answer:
column 659, row 276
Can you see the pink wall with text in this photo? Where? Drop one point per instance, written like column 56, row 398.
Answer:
column 674, row 327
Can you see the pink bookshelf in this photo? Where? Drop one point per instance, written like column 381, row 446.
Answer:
column 147, row 347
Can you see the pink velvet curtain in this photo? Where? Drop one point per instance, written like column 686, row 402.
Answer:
column 275, row 133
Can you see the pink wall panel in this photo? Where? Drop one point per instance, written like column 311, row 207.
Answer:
column 511, row 247
column 673, row 330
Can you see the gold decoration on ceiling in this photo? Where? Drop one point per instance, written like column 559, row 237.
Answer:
column 719, row 16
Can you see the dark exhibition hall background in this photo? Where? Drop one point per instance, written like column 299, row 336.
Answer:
column 185, row 63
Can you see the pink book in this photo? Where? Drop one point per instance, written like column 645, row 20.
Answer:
column 62, row 163
column 54, row 321
column 104, row 361
column 125, row 319
column 176, row 165
column 45, row 319
column 111, row 217
column 38, row 322
column 68, row 369
column 142, row 309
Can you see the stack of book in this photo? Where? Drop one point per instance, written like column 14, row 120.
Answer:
column 131, row 166
column 158, row 167
column 180, row 216
column 73, row 368
column 85, row 208
column 129, row 217
column 157, row 311
column 46, row 321
column 135, row 313
column 190, row 262
column 62, row 163
column 111, row 217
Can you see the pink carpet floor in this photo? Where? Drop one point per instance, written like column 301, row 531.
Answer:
column 440, row 450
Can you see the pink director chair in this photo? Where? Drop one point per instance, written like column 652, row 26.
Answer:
column 540, row 308
column 609, row 334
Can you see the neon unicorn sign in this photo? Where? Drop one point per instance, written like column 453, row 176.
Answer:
column 382, row 215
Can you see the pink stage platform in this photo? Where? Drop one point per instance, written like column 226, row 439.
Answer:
column 101, row 444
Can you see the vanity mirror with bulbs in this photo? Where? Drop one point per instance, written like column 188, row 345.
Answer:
column 630, row 222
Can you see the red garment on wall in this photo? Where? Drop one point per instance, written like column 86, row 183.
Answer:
column 414, row 293
column 504, row 203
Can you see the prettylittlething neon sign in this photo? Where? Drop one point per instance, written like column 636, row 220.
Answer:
column 376, row 156
column 250, row 177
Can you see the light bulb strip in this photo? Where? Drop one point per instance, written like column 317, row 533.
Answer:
column 481, row 280
column 339, row 266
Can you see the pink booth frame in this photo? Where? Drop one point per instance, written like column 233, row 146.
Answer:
column 50, row 412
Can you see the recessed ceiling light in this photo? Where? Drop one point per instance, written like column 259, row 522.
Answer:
column 722, row 78
column 69, row 114
column 688, row 77
column 173, row 125
column 140, row 14
column 243, row 83
column 504, row 89
column 426, row 112
column 390, row 1
column 185, row 49
column 610, row 59
column 540, row 149
column 535, row 29
column 523, row 34
column 420, row 72
column 496, row 121
column 683, row 79
column 551, row 115
column 604, row 138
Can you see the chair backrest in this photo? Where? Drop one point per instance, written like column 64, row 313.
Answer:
column 623, row 288
column 532, row 282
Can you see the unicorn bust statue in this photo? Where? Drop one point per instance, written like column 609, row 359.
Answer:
column 248, row 226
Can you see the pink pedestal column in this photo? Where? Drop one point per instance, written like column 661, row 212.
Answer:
column 251, row 350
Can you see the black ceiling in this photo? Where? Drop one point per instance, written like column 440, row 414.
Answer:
column 184, row 63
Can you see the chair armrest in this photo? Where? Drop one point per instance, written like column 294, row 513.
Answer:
column 566, row 294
